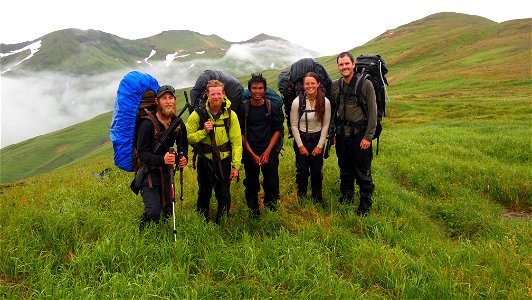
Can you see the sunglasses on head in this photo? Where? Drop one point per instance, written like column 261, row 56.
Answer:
column 165, row 88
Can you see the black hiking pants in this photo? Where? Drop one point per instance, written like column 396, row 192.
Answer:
column 221, row 183
column 355, row 165
column 309, row 165
column 152, row 199
column 270, row 183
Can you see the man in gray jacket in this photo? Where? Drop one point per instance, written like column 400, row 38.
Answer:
column 354, row 133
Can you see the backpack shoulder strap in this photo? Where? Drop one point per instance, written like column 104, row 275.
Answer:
column 301, row 108
column 302, row 104
column 268, row 103
column 360, row 81
column 203, row 116
column 227, row 121
column 246, row 114
column 358, row 92
column 350, row 88
column 157, row 130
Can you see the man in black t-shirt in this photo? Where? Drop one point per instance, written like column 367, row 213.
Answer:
column 261, row 125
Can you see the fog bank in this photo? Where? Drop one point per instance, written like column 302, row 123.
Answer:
column 42, row 102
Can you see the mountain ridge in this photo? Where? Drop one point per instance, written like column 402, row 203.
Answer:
column 91, row 51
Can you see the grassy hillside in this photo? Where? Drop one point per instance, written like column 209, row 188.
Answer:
column 47, row 152
column 451, row 217
column 447, row 222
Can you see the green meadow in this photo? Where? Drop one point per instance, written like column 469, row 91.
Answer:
column 450, row 220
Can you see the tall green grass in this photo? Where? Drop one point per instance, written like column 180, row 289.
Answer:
column 446, row 176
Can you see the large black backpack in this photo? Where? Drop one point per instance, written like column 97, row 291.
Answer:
column 373, row 68
column 232, row 87
column 290, row 84
column 233, row 91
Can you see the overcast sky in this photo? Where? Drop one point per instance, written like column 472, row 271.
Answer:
column 312, row 24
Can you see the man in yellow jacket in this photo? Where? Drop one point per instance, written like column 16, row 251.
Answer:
column 214, row 132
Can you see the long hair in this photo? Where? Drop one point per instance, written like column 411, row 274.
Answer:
column 319, row 106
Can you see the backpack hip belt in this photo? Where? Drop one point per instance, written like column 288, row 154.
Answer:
column 354, row 128
column 358, row 125
column 225, row 147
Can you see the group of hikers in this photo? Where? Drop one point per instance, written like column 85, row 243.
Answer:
column 224, row 139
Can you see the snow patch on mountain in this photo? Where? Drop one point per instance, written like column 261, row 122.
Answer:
column 34, row 48
column 151, row 54
column 170, row 57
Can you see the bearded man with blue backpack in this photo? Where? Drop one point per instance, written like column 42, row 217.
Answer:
column 262, row 137
column 155, row 186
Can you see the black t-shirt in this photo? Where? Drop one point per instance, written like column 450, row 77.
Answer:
column 260, row 127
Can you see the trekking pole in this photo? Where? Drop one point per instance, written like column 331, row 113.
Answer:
column 181, row 183
column 190, row 107
column 172, row 191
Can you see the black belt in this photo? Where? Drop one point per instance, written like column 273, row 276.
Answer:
column 308, row 135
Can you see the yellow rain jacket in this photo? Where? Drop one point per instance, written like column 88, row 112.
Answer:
column 234, row 137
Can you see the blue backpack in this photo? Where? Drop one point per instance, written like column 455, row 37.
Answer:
column 135, row 98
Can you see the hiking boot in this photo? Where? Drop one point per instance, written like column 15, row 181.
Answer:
column 364, row 206
column 272, row 206
column 347, row 199
column 362, row 212
column 317, row 198
column 254, row 214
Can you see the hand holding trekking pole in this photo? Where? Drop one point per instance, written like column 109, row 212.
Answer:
column 169, row 158
column 181, row 161
column 171, row 151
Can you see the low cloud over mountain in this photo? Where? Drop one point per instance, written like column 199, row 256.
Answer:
column 39, row 102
